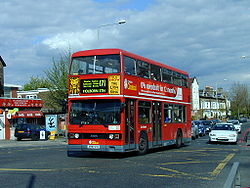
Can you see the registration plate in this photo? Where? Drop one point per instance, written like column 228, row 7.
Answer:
column 93, row 146
column 20, row 131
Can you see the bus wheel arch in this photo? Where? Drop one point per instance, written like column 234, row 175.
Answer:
column 143, row 143
column 179, row 138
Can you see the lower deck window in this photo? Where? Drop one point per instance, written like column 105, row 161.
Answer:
column 144, row 112
column 174, row 113
column 95, row 112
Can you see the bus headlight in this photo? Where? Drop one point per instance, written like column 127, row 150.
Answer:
column 114, row 136
column 77, row 135
column 111, row 136
column 74, row 135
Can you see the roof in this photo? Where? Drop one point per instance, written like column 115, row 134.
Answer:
column 12, row 85
column 119, row 51
column 2, row 61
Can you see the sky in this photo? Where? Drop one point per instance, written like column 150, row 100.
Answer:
column 206, row 38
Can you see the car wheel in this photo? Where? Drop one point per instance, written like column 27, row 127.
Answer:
column 19, row 138
column 35, row 137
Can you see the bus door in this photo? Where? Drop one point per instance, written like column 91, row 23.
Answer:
column 130, row 123
column 157, row 124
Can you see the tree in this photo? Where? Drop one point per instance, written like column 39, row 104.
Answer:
column 35, row 83
column 57, row 79
column 239, row 99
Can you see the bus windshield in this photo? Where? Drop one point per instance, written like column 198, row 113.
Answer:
column 101, row 64
column 95, row 112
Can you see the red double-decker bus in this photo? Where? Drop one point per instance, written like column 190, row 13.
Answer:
column 122, row 102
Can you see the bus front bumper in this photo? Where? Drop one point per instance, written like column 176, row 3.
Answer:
column 93, row 148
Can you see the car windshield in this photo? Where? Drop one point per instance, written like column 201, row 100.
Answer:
column 30, row 126
column 95, row 112
column 206, row 122
column 102, row 64
column 233, row 121
column 197, row 122
column 223, row 127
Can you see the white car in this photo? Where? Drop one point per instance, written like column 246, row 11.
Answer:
column 223, row 132
column 236, row 124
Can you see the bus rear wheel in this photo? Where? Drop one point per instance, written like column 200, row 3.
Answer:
column 143, row 145
column 178, row 139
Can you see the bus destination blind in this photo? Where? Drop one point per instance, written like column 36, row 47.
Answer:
column 94, row 86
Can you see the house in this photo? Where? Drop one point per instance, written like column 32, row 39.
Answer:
column 195, row 97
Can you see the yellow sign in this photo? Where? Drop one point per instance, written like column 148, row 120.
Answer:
column 52, row 135
column 114, row 84
column 74, row 85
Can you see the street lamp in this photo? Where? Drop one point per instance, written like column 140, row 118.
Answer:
column 245, row 56
column 109, row 24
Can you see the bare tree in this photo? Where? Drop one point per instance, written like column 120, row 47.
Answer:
column 239, row 98
column 57, row 78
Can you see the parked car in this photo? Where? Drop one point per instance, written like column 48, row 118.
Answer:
column 30, row 131
column 195, row 131
column 201, row 127
column 243, row 120
column 236, row 124
column 208, row 125
column 223, row 132
column 214, row 121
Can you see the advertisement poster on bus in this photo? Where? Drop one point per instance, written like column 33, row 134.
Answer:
column 152, row 89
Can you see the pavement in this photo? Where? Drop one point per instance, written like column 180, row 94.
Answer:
column 244, row 157
column 30, row 143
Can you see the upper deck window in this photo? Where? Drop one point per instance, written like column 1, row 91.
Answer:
column 102, row 64
column 167, row 75
column 130, row 65
column 155, row 73
column 143, row 69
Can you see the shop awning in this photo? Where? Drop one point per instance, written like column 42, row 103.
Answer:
column 27, row 114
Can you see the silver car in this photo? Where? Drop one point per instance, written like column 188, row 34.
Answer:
column 195, row 131
column 236, row 124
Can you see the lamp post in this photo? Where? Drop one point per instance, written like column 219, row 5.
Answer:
column 109, row 24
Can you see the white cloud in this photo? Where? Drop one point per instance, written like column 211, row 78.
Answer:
column 204, row 38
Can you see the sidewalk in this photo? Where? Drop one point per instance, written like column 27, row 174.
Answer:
column 243, row 157
column 29, row 143
column 244, row 167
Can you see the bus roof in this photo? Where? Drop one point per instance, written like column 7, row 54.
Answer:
column 120, row 51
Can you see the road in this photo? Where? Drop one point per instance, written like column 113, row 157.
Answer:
column 197, row 165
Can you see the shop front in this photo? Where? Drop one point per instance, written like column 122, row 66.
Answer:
column 17, row 111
